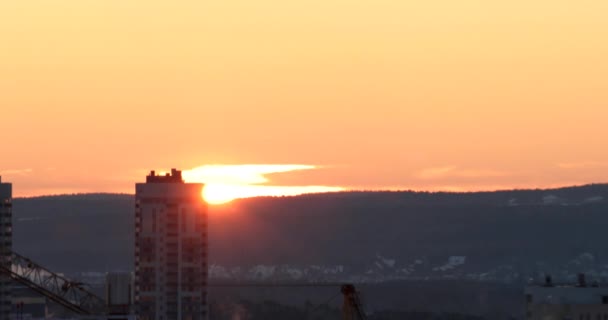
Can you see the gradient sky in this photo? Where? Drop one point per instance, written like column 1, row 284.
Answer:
column 438, row 94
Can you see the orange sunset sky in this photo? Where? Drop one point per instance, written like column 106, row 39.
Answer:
column 425, row 95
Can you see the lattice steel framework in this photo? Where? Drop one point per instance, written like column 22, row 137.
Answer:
column 72, row 295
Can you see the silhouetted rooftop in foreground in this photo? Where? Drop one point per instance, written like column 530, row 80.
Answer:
column 174, row 177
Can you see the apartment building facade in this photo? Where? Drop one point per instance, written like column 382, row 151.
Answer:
column 6, row 244
column 170, row 249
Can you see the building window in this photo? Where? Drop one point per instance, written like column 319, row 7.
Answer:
column 184, row 222
column 154, row 222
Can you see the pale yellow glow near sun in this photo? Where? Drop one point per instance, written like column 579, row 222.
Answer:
column 224, row 183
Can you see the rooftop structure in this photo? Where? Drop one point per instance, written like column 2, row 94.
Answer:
column 174, row 177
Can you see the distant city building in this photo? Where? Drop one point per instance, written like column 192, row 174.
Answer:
column 29, row 307
column 119, row 293
column 567, row 302
column 6, row 243
column 97, row 317
column 170, row 249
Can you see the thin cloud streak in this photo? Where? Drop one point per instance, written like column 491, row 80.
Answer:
column 239, row 174
column 582, row 165
column 224, row 183
column 16, row 172
column 219, row 193
column 455, row 172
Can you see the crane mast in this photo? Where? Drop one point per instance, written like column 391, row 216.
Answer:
column 352, row 307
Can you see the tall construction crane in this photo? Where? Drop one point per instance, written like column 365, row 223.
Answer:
column 71, row 295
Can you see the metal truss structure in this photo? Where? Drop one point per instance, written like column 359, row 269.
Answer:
column 71, row 295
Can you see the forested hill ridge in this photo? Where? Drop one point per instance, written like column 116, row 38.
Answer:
column 370, row 236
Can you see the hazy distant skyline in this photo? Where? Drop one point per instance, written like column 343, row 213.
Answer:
column 425, row 95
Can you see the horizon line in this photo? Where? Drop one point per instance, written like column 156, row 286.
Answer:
column 388, row 190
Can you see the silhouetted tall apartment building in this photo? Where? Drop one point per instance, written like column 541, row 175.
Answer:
column 6, row 243
column 170, row 249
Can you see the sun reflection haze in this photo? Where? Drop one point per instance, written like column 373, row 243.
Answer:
column 224, row 183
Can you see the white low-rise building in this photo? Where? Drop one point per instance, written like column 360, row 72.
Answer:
column 567, row 302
